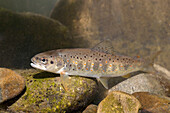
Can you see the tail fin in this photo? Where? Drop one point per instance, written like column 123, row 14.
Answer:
column 149, row 62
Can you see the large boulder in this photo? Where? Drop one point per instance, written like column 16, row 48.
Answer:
column 22, row 35
column 135, row 27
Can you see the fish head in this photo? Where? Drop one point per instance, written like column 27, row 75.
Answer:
column 46, row 61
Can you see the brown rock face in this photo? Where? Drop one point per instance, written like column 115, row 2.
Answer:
column 153, row 103
column 135, row 27
column 23, row 35
column 11, row 84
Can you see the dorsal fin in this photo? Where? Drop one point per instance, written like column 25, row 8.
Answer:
column 104, row 46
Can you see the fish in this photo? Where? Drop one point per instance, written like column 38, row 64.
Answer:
column 100, row 62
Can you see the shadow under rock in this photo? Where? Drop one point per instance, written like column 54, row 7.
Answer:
column 43, row 75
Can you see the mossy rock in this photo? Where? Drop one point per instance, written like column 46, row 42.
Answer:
column 119, row 102
column 22, row 35
column 134, row 27
column 44, row 93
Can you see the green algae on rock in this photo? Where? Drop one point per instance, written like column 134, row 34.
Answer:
column 44, row 93
column 153, row 103
column 119, row 102
column 24, row 34
column 11, row 84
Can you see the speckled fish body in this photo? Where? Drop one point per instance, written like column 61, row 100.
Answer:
column 88, row 63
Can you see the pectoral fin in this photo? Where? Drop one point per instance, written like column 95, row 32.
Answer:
column 64, row 79
column 104, row 82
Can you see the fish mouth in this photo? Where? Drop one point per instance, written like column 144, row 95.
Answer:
column 41, row 67
column 34, row 64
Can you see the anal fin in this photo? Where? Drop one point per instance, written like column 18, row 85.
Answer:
column 126, row 76
column 104, row 82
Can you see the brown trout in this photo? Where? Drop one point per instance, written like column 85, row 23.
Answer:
column 98, row 62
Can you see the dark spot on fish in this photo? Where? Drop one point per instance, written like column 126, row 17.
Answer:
column 36, row 58
column 77, row 57
column 52, row 62
column 109, row 59
column 64, row 55
column 74, row 68
column 71, row 56
column 84, row 56
column 91, row 56
column 43, row 59
column 117, row 59
column 96, row 59
column 102, row 56
column 113, row 61
column 51, row 56
column 100, row 59
column 80, row 58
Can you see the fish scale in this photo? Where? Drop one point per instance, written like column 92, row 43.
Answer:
column 93, row 62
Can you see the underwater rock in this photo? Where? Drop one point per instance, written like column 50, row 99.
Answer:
column 45, row 93
column 140, row 83
column 154, row 83
column 90, row 109
column 119, row 102
column 11, row 84
column 134, row 27
column 153, row 103
column 23, row 35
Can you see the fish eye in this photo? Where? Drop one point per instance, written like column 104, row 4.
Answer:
column 44, row 60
